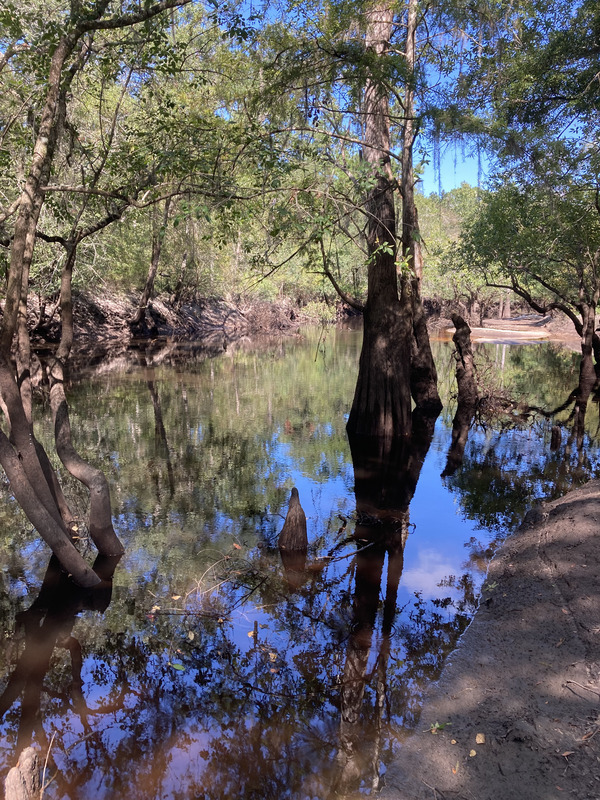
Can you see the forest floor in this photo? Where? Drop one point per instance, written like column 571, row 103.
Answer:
column 516, row 713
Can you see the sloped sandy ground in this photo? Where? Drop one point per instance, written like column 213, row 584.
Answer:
column 522, row 692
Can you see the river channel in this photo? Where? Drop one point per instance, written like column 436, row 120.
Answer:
column 208, row 669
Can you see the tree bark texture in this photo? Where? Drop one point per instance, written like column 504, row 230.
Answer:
column 382, row 404
column 293, row 535
column 23, row 781
column 396, row 361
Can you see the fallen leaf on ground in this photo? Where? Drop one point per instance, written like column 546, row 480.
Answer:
column 480, row 738
column 473, row 753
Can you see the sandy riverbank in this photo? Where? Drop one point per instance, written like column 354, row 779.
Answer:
column 522, row 692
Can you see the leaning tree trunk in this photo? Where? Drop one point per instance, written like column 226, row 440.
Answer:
column 382, row 402
column 101, row 527
column 22, row 458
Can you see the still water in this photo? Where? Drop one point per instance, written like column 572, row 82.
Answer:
column 208, row 670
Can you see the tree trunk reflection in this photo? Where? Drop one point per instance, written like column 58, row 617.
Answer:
column 386, row 473
column 47, row 624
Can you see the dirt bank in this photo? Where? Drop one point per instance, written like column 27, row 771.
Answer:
column 522, row 691
column 103, row 335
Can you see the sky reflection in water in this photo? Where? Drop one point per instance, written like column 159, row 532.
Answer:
column 211, row 673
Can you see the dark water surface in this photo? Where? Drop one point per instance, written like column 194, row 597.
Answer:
column 206, row 669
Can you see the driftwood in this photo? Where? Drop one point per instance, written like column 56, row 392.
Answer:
column 23, row 781
column 293, row 535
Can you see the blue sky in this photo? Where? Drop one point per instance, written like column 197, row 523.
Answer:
column 456, row 166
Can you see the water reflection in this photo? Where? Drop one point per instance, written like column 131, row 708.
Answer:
column 218, row 672
column 386, row 473
column 45, row 626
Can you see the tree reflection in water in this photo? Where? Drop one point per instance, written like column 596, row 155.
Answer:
column 386, row 473
column 47, row 625
column 215, row 672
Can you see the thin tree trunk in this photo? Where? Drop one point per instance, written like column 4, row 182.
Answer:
column 158, row 234
column 423, row 374
column 587, row 372
column 101, row 527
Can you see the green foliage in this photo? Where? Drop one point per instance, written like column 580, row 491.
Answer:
column 544, row 242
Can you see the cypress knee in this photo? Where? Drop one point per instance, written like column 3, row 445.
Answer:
column 293, row 535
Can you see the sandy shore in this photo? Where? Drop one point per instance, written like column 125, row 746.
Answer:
column 522, row 691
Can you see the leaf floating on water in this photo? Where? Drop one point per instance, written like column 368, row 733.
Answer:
column 273, row 656
column 251, row 634
column 175, row 597
column 154, row 609
column 178, row 667
column 191, row 636
column 237, row 546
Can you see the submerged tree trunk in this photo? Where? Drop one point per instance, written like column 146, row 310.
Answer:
column 382, row 403
column 468, row 395
column 396, row 361
column 27, row 466
column 588, row 378
column 25, row 463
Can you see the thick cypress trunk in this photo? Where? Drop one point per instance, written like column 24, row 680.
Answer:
column 382, row 404
column 396, row 360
